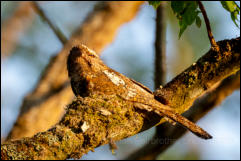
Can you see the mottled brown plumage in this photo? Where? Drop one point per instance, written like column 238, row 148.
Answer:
column 90, row 76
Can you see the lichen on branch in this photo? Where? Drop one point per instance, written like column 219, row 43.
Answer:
column 88, row 123
column 98, row 119
column 199, row 109
column 184, row 89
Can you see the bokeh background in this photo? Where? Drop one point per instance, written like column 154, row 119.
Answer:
column 131, row 53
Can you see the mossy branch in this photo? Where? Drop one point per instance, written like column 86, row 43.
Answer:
column 184, row 89
column 199, row 109
column 92, row 121
column 88, row 123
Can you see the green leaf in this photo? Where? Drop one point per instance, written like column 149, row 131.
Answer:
column 234, row 16
column 186, row 12
column 198, row 22
column 230, row 6
column 183, row 27
column 155, row 4
column 177, row 6
column 190, row 13
column 233, row 8
column 189, row 17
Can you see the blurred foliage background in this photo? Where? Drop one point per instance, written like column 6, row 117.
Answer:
column 131, row 53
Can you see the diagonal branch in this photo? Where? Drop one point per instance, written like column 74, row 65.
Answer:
column 184, row 89
column 14, row 27
column 55, row 29
column 96, row 119
column 198, row 110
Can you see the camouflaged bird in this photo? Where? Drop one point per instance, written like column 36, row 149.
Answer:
column 90, row 76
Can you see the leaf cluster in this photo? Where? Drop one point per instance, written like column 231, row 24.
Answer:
column 233, row 8
column 187, row 12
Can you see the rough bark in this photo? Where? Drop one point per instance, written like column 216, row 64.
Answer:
column 44, row 106
column 184, row 89
column 199, row 109
column 88, row 123
column 95, row 120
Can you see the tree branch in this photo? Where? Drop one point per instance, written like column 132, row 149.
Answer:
column 44, row 106
column 86, row 125
column 160, row 57
column 170, row 91
column 14, row 27
column 160, row 46
column 62, row 38
column 181, row 92
column 198, row 110
column 87, row 117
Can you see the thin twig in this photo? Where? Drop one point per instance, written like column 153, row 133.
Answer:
column 210, row 35
column 56, row 30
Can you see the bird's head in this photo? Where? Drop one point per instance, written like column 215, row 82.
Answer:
column 81, row 61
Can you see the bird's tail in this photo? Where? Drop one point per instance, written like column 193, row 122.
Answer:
column 185, row 123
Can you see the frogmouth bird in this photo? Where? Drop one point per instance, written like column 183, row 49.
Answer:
column 89, row 75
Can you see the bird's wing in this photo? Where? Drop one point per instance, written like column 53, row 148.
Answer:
column 142, row 86
column 171, row 114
